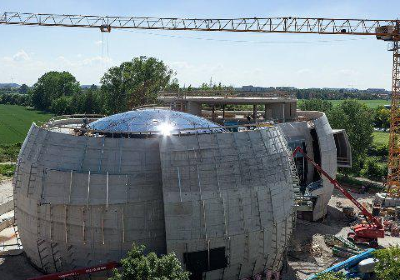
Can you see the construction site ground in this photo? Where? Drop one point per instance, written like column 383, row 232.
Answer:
column 13, row 263
column 308, row 253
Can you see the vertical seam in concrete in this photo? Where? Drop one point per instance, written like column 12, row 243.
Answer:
column 101, row 153
column 179, row 183
column 218, row 184
column 84, row 153
column 70, row 187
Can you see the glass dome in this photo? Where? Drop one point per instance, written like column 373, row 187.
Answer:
column 157, row 121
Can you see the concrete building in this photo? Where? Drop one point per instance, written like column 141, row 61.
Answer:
column 222, row 201
column 327, row 147
column 276, row 108
column 310, row 130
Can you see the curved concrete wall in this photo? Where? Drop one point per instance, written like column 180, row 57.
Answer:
column 230, row 190
column 328, row 151
column 83, row 200
column 327, row 148
column 298, row 130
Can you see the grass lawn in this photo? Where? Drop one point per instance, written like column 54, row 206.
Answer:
column 381, row 138
column 370, row 103
column 15, row 122
column 6, row 170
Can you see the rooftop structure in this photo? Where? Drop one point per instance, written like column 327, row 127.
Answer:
column 158, row 121
column 277, row 107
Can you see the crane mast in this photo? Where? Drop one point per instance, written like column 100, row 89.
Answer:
column 394, row 140
column 387, row 30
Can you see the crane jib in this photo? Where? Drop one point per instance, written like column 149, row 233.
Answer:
column 383, row 29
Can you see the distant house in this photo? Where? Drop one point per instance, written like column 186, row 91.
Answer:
column 9, row 85
column 253, row 88
column 376, row 90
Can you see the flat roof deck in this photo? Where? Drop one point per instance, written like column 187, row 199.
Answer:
column 237, row 100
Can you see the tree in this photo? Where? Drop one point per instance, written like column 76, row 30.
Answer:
column 373, row 170
column 388, row 266
column 61, row 105
column 315, row 105
column 138, row 266
column 14, row 99
column 134, row 83
column 51, row 86
column 90, row 102
column 357, row 119
column 332, row 276
column 382, row 118
column 23, row 89
column 205, row 86
column 173, row 85
column 87, row 102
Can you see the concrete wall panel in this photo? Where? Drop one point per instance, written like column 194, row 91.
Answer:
column 233, row 180
column 328, row 163
column 84, row 200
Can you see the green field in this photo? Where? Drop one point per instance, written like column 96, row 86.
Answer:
column 370, row 103
column 381, row 138
column 15, row 122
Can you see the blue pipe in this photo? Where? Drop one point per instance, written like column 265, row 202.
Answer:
column 347, row 264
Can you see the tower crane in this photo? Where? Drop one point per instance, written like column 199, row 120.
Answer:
column 386, row 30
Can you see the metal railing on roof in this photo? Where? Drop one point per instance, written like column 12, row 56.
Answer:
column 183, row 94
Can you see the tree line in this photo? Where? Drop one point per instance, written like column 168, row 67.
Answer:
column 335, row 94
column 131, row 84
column 359, row 121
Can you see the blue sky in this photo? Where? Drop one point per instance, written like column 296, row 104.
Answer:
column 264, row 59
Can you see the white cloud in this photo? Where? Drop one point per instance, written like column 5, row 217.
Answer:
column 304, row 71
column 96, row 60
column 18, row 57
column 24, row 68
column 63, row 60
column 21, row 56
column 98, row 43
column 348, row 72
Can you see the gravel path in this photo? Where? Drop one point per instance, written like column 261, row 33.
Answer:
column 6, row 191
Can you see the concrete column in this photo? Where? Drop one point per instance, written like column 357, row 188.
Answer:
column 265, row 111
column 269, row 112
column 194, row 108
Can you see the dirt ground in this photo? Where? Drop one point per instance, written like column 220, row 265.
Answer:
column 16, row 268
column 13, row 263
column 309, row 253
column 6, row 191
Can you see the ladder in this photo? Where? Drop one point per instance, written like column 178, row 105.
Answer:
column 302, row 202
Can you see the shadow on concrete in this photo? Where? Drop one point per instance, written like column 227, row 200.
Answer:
column 16, row 268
